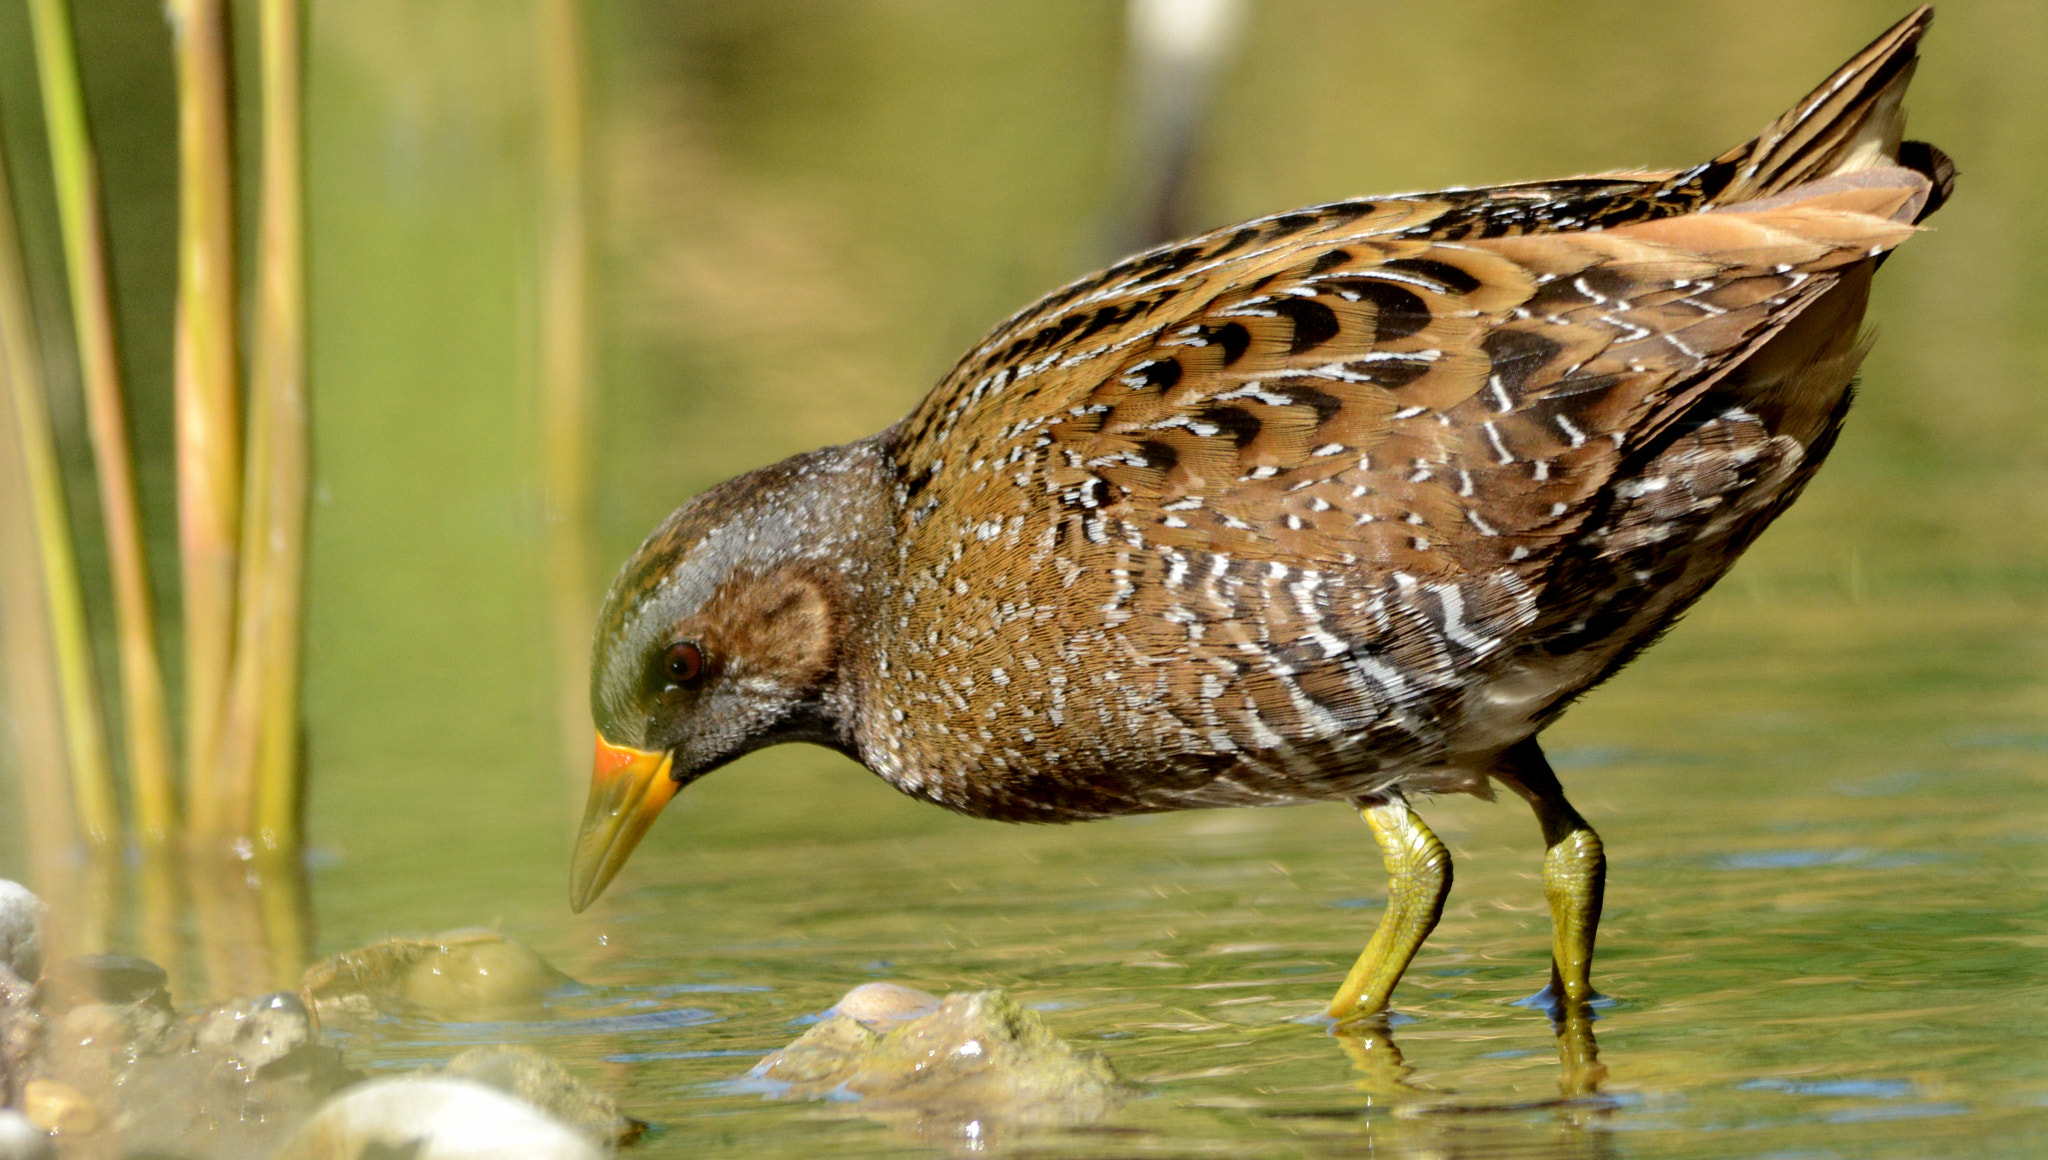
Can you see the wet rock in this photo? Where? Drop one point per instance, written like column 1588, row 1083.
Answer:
column 22, row 1140
column 59, row 1108
column 461, row 975
column 236, row 1079
column 21, row 1036
column 21, row 930
column 878, row 1006
column 103, row 1012
column 972, row 1057
column 435, row 1119
column 225, row 1083
column 137, row 1028
column 253, row 1033
column 120, row 979
column 95, row 1046
column 542, row 1082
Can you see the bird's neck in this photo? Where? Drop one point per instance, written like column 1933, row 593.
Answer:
column 833, row 514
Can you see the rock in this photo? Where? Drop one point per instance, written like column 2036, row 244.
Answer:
column 253, row 1033
column 227, row 1082
column 479, row 975
column 877, row 1006
column 461, row 975
column 22, row 1140
column 230, row 1084
column 21, row 1036
column 121, row 979
column 59, row 1108
column 542, row 1082
column 134, row 1028
column 21, row 930
column 434, row 1119
column 974, row 1057
column 96, row 1045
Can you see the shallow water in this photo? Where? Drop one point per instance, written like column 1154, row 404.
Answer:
column 1821, row 796
column 1824, row 934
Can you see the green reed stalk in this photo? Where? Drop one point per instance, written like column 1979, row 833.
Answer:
column 28, row 663
column 209, row 463
column 565, row 366
column 56, row 621
column 260, row 744
column 76, row 169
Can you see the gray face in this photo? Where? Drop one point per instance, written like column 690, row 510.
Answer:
column 719, row 636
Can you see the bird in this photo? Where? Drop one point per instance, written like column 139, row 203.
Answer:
column 1344, row 504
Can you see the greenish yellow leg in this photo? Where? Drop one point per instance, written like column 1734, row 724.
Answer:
column 1419, row 878
column 1574, row 873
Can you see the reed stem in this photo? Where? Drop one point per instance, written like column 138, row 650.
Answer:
column 57, row 629
column 565, row 369
column 208, row 429
column 75, row 166
column 261, row 742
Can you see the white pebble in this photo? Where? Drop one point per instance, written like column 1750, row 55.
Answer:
column 435, row 1119
column 21, row 1140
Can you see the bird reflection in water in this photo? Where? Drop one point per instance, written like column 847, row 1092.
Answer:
column 1402, row 1115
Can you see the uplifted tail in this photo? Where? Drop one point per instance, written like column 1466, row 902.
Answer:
column 1852, row 122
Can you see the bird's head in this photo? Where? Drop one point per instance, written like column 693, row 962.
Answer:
column 720, row 636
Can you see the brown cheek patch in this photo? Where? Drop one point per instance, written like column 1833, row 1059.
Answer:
column 776, row 624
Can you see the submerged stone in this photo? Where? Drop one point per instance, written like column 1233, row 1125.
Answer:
column 59, row 1109
column 105, row 978
column 21, row 1035
column 461, row 975
column 540, row 1081
column 435, row 1119
column 21, row 930
column 966, row 1059
column 120, row 1064
column 251, row 1034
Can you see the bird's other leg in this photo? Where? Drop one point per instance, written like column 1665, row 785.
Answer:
column 1574, row 873
column 1418, row 880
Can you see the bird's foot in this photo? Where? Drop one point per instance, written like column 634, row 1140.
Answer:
column 1551, row 1001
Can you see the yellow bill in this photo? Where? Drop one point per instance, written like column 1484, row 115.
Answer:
column 628, row 787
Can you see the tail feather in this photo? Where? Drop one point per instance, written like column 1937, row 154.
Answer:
column 1852, row 122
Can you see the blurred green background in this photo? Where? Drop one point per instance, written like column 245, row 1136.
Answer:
column 805, row 211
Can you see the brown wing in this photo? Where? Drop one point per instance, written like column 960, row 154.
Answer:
column 1254, row 510
column 1356, row 395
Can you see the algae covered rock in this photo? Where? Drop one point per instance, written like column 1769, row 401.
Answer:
column 540, row 1081
column 964, row 1058
column 461, row 975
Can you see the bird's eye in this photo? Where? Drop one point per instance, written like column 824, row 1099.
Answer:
column 683, row 663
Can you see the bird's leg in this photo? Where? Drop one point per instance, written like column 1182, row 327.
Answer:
column 1574, row 872
column 1419, row 878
